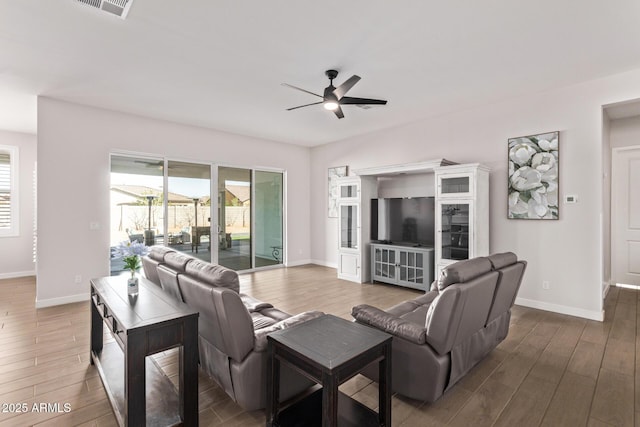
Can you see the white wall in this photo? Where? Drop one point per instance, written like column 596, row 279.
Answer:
column 567, row 252
column 624, row 132
column 74, row 143
column 16, row 253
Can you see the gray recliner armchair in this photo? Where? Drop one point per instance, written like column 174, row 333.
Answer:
column 439, row 336
column 232, row 332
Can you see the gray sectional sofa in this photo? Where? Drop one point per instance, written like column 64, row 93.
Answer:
column 232, row 327
column 439, row 336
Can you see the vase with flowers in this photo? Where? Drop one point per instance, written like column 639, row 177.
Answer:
column 130, row 253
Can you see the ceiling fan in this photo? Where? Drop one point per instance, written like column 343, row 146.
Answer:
column 334, row 97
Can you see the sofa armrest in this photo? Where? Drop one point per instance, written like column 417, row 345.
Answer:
column 261, row 334
column 389, row 323
column 253, row 304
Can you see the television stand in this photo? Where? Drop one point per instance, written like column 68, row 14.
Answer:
column 409, row 266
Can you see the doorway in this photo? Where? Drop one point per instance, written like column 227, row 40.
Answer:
column 625, row 215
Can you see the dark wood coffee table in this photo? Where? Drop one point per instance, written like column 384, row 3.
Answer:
column 329, row 350
column 139, row 393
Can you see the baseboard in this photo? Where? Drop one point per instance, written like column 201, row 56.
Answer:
column 17, row 274
column 562, row 309
column 298, row 263
column 50, row 302
column 324, row 263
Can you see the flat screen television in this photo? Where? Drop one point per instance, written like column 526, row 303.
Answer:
column 403, row 220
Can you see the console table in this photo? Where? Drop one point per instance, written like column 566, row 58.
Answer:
column 329, row 350
column 139, row 392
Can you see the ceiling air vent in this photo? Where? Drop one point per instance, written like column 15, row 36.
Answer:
column 114, row 7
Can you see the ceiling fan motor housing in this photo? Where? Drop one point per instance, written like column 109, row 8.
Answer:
column 332, row 74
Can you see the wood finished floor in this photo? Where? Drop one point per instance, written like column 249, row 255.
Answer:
column 552, row 370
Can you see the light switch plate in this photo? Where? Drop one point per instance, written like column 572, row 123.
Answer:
column 571, row 198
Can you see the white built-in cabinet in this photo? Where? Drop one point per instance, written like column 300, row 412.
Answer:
column 461, row 223
column 354, row 194
column 462, row 213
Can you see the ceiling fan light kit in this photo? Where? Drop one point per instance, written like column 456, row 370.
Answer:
column 333, row 97
column 330, row 105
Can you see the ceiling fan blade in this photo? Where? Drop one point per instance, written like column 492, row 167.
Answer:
column 347, row 100
column 302, row 90
column 338, row 112
column 305, row 105
column 341, row 90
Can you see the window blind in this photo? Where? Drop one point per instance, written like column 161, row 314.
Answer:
column 5, row 190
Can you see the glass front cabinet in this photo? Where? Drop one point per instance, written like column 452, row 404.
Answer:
column 349, row 228
column 354, row 194
column 456, row 227
column 462, row 213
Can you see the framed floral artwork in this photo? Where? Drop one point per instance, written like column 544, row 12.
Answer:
column 333, row 175
column 533, row 177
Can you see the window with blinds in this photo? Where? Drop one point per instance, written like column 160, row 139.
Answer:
column 8, row 191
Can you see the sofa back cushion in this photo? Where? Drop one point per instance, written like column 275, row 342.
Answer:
column 149, row 266
column 157, row 253
column 224, row 321
column 502, row 260
column 177, row 261
column 463, row 271
column 151, row 261
column 506, row 289
column 235, row 322
column 169, row 282
column 212, row 274
column 460, row 310
column 198, row 297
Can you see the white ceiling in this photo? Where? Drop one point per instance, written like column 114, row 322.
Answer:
column 220, row 64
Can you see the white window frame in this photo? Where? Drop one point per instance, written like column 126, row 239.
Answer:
column 14, row 227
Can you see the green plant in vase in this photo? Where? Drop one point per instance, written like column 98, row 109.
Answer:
column 130, row 253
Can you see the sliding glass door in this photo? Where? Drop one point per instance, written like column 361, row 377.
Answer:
column 250, row 218
column 167, row 202
column 234, row 218
column 188, row 206
column 268, row 208
column 136, row 203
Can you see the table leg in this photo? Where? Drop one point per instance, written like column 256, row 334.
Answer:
column 134, row 386
column 273, row 385
column 329, row 400
column 384, row 393
column 96, row 330
column 188, row 394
